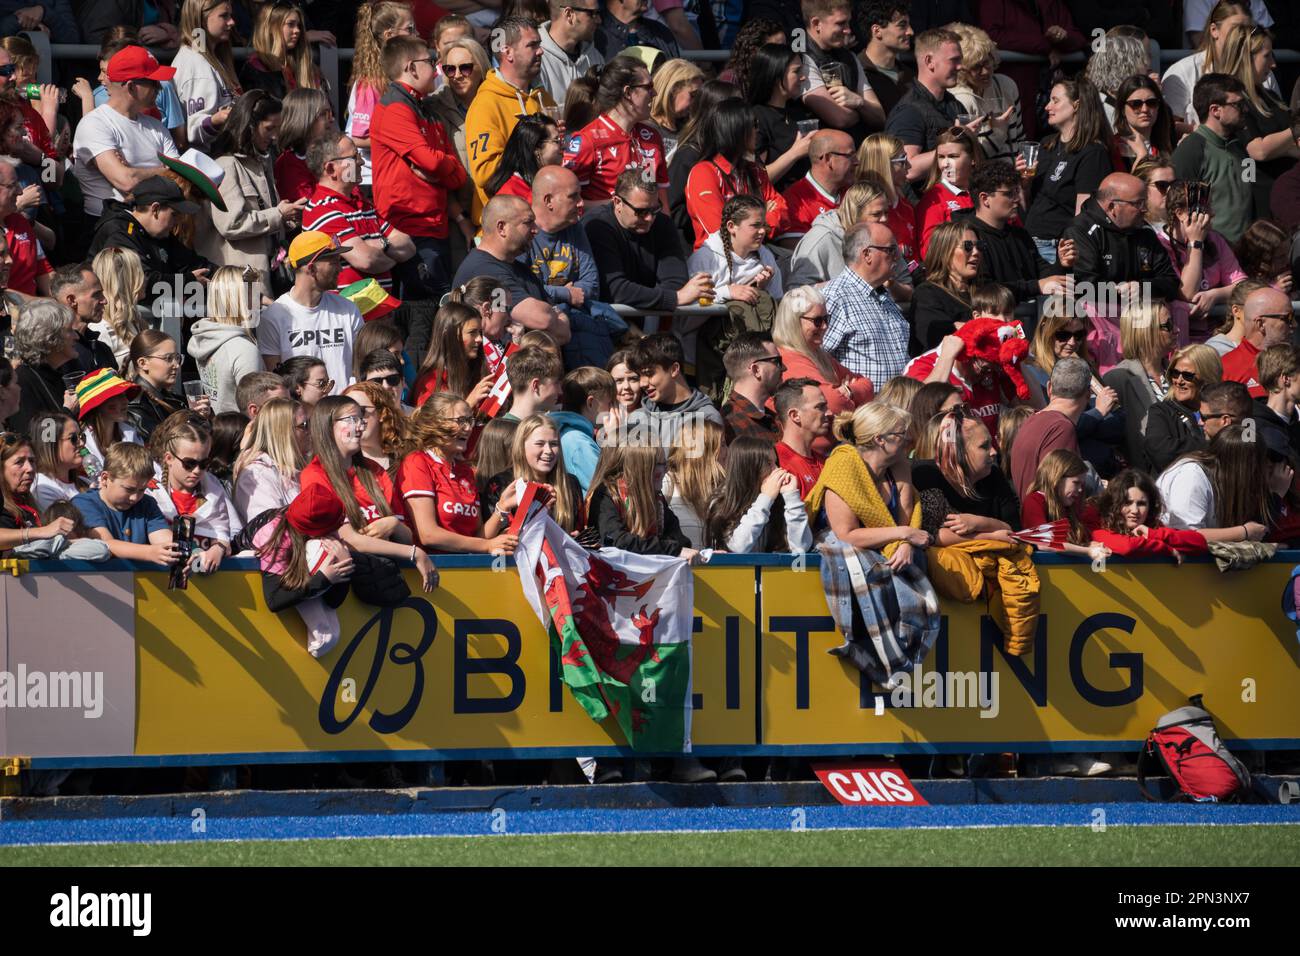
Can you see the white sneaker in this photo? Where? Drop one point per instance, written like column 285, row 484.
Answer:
column 1090, row 766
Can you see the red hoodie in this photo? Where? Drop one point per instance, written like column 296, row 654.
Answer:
column 403, row 140
column 1158, row 541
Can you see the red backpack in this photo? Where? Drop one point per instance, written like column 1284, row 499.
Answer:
column 1186, row 743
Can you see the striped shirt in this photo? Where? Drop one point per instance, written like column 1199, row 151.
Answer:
column 347, row 219
column 867, row 333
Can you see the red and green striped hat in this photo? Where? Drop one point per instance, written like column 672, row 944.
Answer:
column 372, row 299
column 98, row 387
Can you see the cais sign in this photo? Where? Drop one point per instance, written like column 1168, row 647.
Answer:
column 867, row 784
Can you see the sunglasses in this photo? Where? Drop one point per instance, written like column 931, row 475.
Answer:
column 8, row 69
column 968, row 246
column 774, row 359
column 77, row 440
column 818, row 321
column 458, row 69
column 193, row 464
column 637, row 210
column 392, row 381
column 1064, row 336
column 11, row 438
column 1184, row 375
column 1163, row 187
column 1143, row 104
column 324, row 386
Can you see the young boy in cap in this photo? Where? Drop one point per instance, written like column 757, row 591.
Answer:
column 120, row 513
column 143, row 223
column 311, row 319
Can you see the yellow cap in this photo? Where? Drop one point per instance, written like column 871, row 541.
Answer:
column 308, row 246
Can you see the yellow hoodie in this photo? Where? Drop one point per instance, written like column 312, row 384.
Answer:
column 491, row 118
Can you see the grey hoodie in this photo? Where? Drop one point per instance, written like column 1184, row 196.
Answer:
column 559, row 71
column 651, row 425
column 819, row 257
column 225, row 354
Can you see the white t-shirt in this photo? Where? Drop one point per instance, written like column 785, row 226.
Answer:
column 1195, row 13
column 1188, row 496
column 325, row 332
column 103, row 130
column 46, row 490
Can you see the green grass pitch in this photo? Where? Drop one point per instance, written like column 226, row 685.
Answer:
column 1001, row 846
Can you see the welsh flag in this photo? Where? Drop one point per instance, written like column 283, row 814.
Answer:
column 621, row 624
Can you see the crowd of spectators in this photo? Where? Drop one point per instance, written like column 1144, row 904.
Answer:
column 337, row 338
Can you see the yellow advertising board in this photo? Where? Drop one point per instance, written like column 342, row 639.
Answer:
column 468, row 669
column 1114, row 651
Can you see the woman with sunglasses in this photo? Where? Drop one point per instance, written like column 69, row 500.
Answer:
column 1063, row 333
column 1143, row 123
column 307, row 378
column 1146, row 339
column 439, row 486
column 463, row 64
column 20, row 521
column 619, row 138
column 942, row 303
column 154, row 364
column 1158, row 173
column 181, row 447
column 798, row 331
column 59, row 446
column 384, row 439
column 277, row 447
column 375, row 516
column 1173, row 426
column 1204, row 261
column 883, row 155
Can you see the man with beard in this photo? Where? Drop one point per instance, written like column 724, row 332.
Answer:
column 567, row 48
column 1212, row 154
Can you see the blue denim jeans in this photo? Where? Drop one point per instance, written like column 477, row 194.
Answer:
column 1046, row 249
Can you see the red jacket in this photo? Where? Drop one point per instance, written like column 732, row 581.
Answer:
column 1158, row 541
column 712, row 182
column 403, row 140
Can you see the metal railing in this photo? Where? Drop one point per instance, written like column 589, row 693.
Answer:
column 331, row 57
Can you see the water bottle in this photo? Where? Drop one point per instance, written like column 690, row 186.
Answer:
column 33, row 92
column 91, row 465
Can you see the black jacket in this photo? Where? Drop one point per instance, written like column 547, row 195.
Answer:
column 644, row 272
column 148, row 409
column 92, row 353
column 1106, row 253
column 935, row 313
column 162, row 258
column 41, row 389
column 1171, row 432
column 1008, row 256
column 614, row 534
column 1277, row 434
